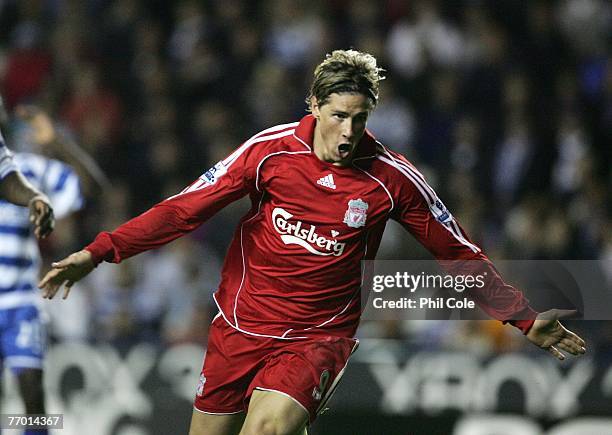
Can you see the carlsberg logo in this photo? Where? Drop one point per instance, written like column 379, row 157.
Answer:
column 304, row 235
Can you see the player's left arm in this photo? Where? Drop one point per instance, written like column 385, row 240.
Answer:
column 424, row 215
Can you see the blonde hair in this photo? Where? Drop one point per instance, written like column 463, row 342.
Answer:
column 349, row 71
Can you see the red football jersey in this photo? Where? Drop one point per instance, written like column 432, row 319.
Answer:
column 294, row 265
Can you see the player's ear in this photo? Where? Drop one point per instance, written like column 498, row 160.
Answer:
column 314, row 107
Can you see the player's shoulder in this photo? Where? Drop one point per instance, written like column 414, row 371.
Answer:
column 275, row 135
column 390, row 163
column 32, row 162
column 40, row 166
column 269, row 141
column 39, row 162
column 398, row 174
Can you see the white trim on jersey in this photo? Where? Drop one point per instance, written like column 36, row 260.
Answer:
column 408, row 175
column 418, row 178
column 200, row 184
column 378, row 181
column 243, row 259
column 254, row 139
column 236, row 326
column 331, row 319
column 428, row 193
column 270, row 155
column 244, row 331
column 302, row 142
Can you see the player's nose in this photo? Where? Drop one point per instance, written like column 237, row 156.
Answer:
column 347, row 130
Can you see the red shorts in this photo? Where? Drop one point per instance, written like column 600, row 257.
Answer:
column 236, row 363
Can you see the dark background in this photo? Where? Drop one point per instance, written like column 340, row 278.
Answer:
column 505, row 106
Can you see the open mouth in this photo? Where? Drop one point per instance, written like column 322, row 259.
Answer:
column 344, row 150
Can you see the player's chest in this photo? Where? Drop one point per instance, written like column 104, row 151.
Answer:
column 300, row 193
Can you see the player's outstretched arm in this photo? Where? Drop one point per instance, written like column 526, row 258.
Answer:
column 66, row 272
column 549, row 334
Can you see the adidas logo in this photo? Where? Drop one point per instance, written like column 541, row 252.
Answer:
column 327, row 181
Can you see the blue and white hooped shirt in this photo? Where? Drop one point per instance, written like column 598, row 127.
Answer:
column 19, row 253
column 7, row 165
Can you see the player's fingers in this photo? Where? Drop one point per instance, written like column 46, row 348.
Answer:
column 556, row 353
column 67, row 288
column 48, row 277
column 50, row 290
column 41, row 231
column 42, row 210
column 575, row 341
column 47, row 226
column 45, row 280
column 38, row 212
column 38, row 230
column 46, row 218
column 570, row 347
column 41, row 216
column 575, row 338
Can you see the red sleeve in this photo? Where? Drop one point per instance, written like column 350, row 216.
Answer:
column 424, row 215
column 227, row 181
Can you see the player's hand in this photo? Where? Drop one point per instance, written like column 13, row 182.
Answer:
column 66, row 273
column 549, row 334
column 41, row 216
column 43, row 131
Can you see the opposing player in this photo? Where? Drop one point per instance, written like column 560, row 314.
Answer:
column 22, row 333
column 16, row 189
column 322, row 190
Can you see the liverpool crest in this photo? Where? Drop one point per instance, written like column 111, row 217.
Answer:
column 355, row 215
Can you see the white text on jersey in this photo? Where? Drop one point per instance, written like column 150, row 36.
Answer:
column 304, row 235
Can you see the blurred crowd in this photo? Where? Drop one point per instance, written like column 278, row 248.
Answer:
column 505, row 106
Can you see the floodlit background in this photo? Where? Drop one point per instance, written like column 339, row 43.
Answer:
column 505, row 106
